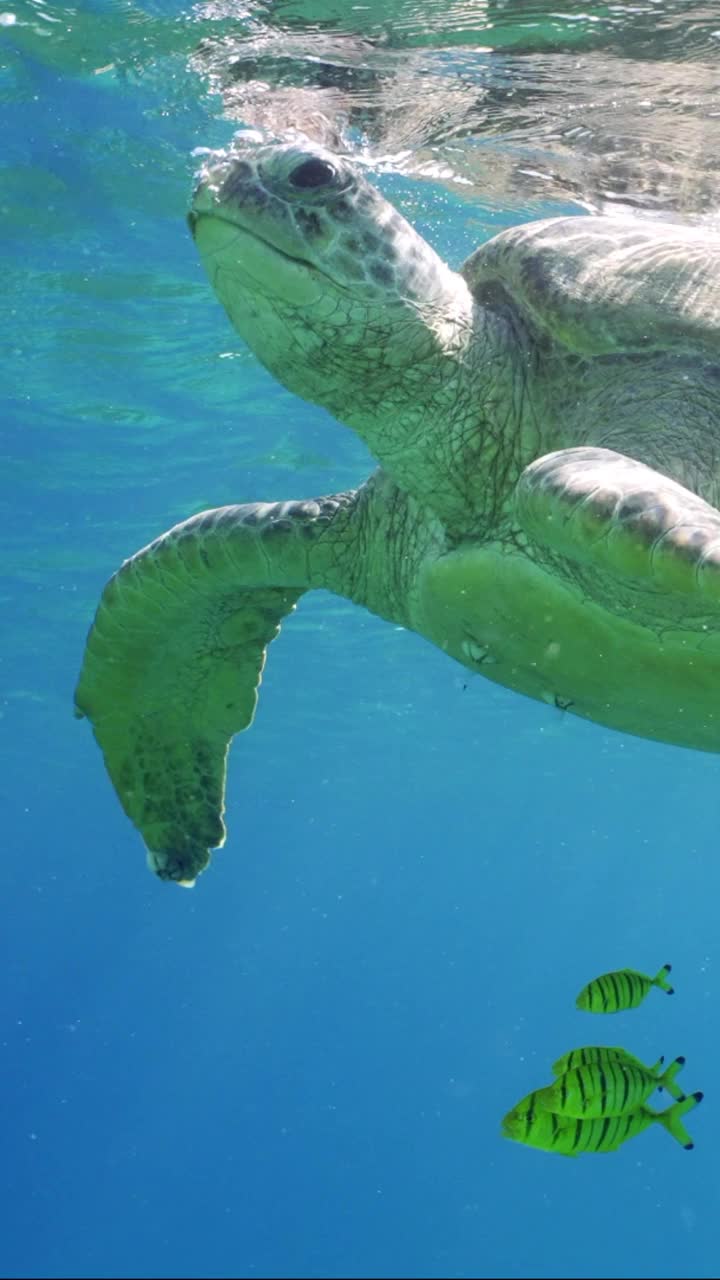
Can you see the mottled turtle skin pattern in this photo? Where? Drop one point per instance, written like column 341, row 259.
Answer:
column 547, row 427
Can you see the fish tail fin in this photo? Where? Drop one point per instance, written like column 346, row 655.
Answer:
column 660, row 980
column 667, row 1080
column 671, row 1119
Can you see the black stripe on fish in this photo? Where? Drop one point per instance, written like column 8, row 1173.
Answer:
column 616, row 991
column 603, row 1087
column 626, row 1087
column 556, row 1127
column 605, row 1126
column 529, row 1117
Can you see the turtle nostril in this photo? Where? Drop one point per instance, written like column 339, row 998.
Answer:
column 312, row 173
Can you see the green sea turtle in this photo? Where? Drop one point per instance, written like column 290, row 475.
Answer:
column 547, row 423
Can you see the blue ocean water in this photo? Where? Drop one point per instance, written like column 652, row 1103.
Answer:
column 299, row 1068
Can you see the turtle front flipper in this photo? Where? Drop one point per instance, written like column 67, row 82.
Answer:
column 174, row 659
column 601, row 509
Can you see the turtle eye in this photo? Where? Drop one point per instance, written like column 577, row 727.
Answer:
column 312, row 173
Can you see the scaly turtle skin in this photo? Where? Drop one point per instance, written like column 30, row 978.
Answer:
column 547, row 424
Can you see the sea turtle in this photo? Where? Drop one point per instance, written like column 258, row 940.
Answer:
column 547, row 423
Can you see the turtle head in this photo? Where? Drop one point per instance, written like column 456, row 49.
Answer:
column 331, row 288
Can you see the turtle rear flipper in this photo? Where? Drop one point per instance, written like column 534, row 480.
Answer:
column 602, row 509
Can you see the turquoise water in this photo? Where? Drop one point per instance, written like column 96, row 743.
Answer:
column 299, row 1068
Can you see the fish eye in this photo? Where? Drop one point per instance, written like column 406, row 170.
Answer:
column 312, row 173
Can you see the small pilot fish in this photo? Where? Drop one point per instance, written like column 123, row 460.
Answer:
column 591, row 1053
column 608, row 1087
column 623, row 989
column 530, row 1123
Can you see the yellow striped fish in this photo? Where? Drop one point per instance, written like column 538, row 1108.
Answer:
column 531, row 1124
column 608, row 1087
column 623, row 989
column 591, row 1053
